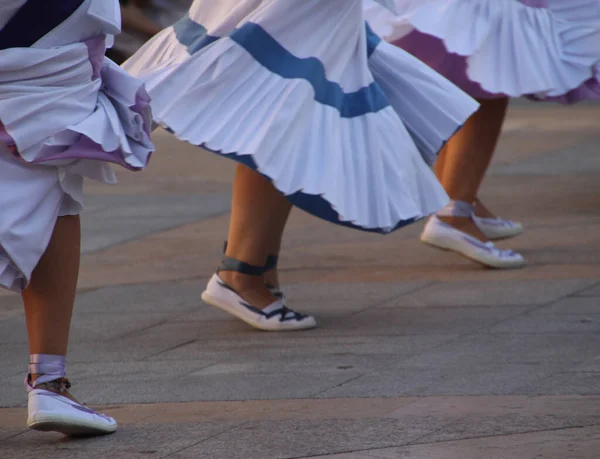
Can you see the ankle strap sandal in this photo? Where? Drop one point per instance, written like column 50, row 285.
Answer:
column 270, row 264
column 231, row 264
column 275, row 317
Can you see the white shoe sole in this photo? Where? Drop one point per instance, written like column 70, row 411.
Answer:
column 443, row 236
column 488, row 263
column 54, row 422
column 282, row 326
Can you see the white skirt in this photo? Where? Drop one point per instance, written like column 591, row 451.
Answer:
column 66, row 112
column 32, row 197
column 541, row 48
column 346, row 126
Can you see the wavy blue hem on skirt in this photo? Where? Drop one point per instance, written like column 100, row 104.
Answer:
column 313, row 204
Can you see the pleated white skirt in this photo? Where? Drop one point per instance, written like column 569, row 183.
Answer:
column 541, row 48
column 345, row 125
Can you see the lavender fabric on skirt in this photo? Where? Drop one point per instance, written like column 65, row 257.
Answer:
column 542, row 28
column 432, row 51
column 343, row 124
column 66, row 113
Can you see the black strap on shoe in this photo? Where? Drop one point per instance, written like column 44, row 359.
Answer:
column 270, row 264
column 231, row 264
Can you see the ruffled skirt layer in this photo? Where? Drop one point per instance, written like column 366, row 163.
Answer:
column 544, row 49
column 65, row 113
column 344, row 125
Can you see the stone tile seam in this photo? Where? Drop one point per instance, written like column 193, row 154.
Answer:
column 210, row 437
column 418, row 443
column 530, row 310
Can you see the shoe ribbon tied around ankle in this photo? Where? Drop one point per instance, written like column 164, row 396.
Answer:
column 50, row 368
column 457, row 209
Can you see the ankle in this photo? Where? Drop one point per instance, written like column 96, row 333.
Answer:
column 59, row 386
column 482, row 211
column 251, row 288
column 272, row 278
column 465, row 225
column 242, row 282
column 45, row 369
column 457, row 208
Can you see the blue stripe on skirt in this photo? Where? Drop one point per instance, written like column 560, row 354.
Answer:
column 278, row 60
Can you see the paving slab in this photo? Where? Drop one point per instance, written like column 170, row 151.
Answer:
column 576, row 443
column 432, row 320
column 10, row 306
column 542, row 349
column 160, row 297
column 542, row 321
column 132, row 442
column 492, row 293
column 412, row 380
column 259, row 440
column 558, row 162
column 296, row 428
column 592, row 291
column 113, row 220
column 561, row 382
column 217, row 387
column 581, row 303
column 418, row 353
column 264, row 347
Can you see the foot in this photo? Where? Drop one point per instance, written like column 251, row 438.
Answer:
column 274, row 316
column 464, row 225
column 52, row 408
column 467, row 240
column 252, row 288
column 481, row 210
column 494, row 227
column 272, row 283
column 271, row 276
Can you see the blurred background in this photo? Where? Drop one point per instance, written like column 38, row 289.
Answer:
column 141, row 20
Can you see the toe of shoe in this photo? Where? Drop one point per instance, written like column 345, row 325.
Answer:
column 305, row 323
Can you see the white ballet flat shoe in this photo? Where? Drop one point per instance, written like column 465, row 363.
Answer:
column 49, row 411
column 498, row 228
column 444, row 236
column 271, row 263
column 275, row 317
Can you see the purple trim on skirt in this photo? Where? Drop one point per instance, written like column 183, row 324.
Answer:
column 433, row 52
column 84, row 147
column 590, row 90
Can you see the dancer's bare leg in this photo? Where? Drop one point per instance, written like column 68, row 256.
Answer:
column 481, row 210
column 272, row 276
column 50, row 296
column 466, row 158
column 258, row 217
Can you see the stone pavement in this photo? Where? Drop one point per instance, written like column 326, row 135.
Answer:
column 419, row 354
